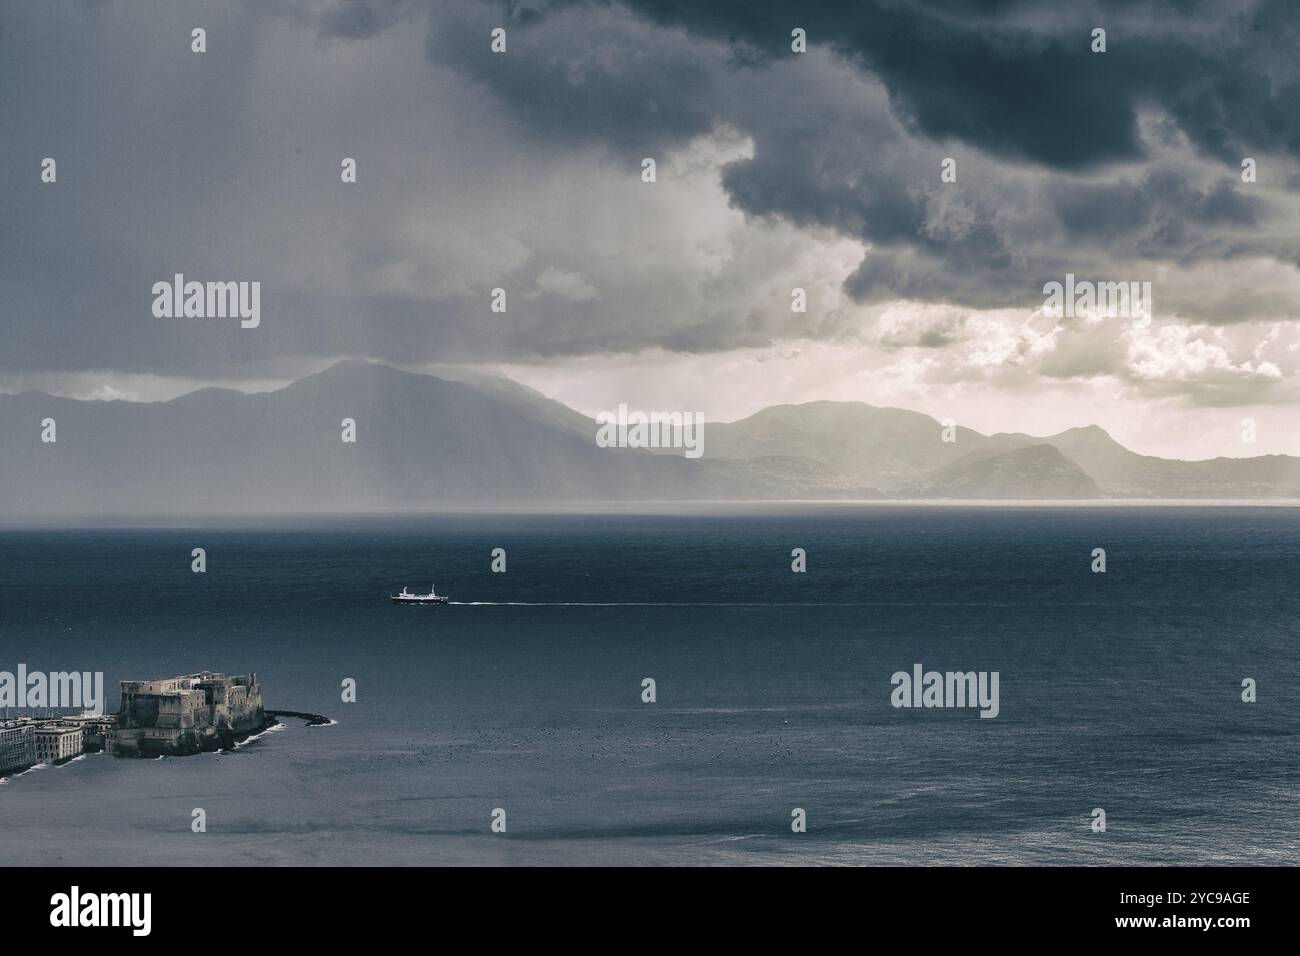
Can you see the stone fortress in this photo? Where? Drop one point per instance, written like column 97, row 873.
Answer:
column 174, row 716
column 178, row 716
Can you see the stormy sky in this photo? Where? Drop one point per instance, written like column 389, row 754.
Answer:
column 776, row 170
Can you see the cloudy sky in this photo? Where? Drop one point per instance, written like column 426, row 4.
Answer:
column 775, row 170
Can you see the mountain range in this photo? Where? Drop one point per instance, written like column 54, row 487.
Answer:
column 425, row 441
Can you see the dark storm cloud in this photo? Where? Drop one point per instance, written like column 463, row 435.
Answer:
column 1020, row 79
column 1162, row 210
column 607, row 80
column 1162, row 215
column 1016, row 80
column 358, row 19
column 521, row 170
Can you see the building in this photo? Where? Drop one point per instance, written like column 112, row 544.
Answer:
column 97, row 731
column 187, row 715
column 56, row 742
column 17, row 745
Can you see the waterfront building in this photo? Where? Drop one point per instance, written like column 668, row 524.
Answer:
column 98, row 731
column 17, row 745
column 57, row 741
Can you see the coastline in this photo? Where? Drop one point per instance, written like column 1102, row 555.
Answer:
column 640, row 508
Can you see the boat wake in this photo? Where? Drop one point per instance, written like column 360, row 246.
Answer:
column 646, row 604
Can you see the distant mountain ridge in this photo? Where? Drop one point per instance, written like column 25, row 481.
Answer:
column 425, row 441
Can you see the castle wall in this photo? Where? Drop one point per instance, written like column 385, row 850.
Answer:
column 187, row 715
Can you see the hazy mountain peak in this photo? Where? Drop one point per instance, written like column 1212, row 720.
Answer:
column 1093, row 433
column 1029, row 472
column 354, row 369
column 424, row 440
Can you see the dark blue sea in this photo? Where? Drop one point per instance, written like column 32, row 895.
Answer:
column 1119, row 691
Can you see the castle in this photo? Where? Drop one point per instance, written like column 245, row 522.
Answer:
column 177, row 716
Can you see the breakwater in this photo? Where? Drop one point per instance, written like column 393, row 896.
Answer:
column 313, row 720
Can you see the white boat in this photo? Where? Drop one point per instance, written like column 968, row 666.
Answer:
column 433, row 597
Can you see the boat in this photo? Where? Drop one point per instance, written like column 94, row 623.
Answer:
column 433, row 597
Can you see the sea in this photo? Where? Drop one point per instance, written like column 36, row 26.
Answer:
column 1119, row 691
